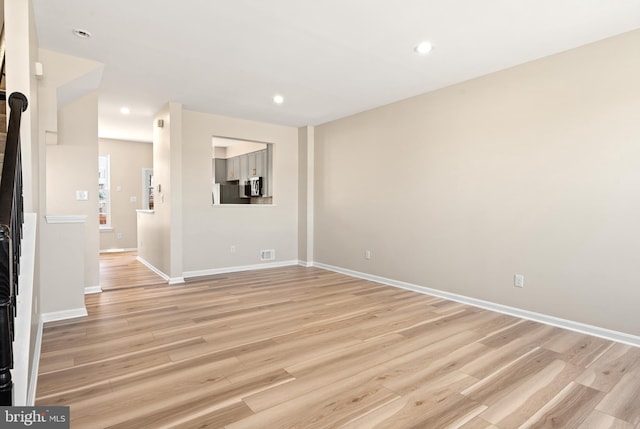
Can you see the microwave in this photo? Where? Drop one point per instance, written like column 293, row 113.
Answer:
column 253, row 188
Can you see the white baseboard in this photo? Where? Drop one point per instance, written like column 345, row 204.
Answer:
column 226, row 270
column 153, row 268
column 306, row 264
column 596, row 331
column 92, row 289
column 128, row 249
column 170, row 280
column 35, row 366
column 63, row 315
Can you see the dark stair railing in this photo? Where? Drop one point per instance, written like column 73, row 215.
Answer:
column 11, row 220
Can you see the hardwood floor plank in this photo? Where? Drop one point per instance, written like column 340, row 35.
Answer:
column 619, row 360
column 579, row 349
column 298, row 347
column 516, row 407
column 412, row 408
column 331, row 368
column 120, row 270
column 567, row 410
column 324, row 406
column 623, row 399
column 61, row 380
column 495, row 358
column 222, row 399
column 598, row 420
column 505, row 380
column 478, row 423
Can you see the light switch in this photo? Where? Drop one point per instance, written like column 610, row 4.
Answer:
column 82, row 195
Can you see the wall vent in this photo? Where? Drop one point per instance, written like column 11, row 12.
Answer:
column 267, row 255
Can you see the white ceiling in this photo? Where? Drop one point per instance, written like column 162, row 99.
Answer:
column 328, row 58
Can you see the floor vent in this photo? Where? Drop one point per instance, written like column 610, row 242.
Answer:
column 267, row 255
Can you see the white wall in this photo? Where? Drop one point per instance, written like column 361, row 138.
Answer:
column 188, row 236
column 68, row 107
column 22, row 53
column 62, row 290
column 77, row 146
column 210, row 231
column 22, row 50
column 306, row 136
column 533, row 170
column 154, row 240
column 240, row 147
column 127, row 160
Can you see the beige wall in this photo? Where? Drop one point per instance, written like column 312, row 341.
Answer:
column 127, row 161
column 68, row 108
column 63, row 289
column 154, row 238
column 186, row 234
column 77, row 146
column 209, row 232
column 305, row 194
column 533, row 170
column 22, row 50
column 240, row 147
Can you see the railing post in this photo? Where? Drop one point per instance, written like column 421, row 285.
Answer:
column 11, row 218
column 6, row 316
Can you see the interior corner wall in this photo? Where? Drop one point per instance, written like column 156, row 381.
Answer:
column 175, row 193
column 77, row 146
column 302, row 193
column 127, row 161
column 305, row 194
column 533, row 170
column 210, row 231
column 154, row 229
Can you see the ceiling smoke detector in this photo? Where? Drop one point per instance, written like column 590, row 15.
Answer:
column 83, row 34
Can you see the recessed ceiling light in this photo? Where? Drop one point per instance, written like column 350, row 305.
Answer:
column 83, row 34
column 423, row 48
column 278, row 99
column 125, row 110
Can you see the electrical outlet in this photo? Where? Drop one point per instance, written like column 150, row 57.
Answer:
column 367, row 254
column 232, row 249
column 518, row 280
column 119, row 235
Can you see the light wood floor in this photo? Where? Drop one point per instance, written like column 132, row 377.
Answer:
column 307, row 348
column 119, row 270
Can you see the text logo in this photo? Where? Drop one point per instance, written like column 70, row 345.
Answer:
column 34, row 417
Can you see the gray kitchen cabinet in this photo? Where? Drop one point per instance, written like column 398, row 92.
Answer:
column 244, row 168
column 244, row 174
column 268, row 176
column 253, row 171
column 219, row 170
column 261, row 163
column 233, row 169
column 257, row 163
